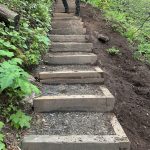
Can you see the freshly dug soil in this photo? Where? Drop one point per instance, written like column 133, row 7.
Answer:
column 127, row 79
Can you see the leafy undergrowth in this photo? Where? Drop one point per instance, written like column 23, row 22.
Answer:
column 21, row 48
column 132, row 19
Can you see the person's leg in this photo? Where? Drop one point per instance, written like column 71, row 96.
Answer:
column 66, row 6
column 77, row 7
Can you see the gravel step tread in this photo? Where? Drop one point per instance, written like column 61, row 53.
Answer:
column 69, row 53
column 73, row 123
column 64, row 68
column 51, row 68
column 68, row 89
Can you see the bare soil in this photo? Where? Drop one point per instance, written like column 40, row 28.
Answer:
column 127, row 78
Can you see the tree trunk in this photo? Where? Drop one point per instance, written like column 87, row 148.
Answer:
column 8, row 16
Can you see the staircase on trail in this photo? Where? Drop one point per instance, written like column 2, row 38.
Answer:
column 75, row 104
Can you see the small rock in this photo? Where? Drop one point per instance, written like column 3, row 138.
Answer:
column 43, row 120
column 43, row 67
column 103, row 38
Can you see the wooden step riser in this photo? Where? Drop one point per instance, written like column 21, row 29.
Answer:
column 47, row 143
column 70, row 59
column 74, row 104
column 70, row 24
column 72, row 77
column 93, row 103
column 71, row 74
column 73, row 81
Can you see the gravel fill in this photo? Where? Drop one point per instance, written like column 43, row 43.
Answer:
column 68, row 89
column 69, row 53
column 75, row 123
column 65, row 68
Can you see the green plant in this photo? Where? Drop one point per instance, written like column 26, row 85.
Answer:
column 21, row 49
column 143, row 52
column 6, row 45
column 30, row 42
column 9, row 110
column 6, row 53
column 12, row 76
column 20, row 120
column 113, row 51
column 2, row 145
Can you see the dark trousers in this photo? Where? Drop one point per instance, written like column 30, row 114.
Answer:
column 77, row 5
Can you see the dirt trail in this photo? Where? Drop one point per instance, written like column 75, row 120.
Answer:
column 127, row 79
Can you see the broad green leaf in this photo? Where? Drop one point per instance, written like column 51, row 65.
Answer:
column 1, row 125
column 2, row 146
column 1, row 137
column 6, row 53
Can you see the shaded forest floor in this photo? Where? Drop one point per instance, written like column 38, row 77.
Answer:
column 127, row 79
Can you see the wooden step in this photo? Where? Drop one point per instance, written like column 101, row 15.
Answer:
column 104, row 102
column 109, row 133
column 71, row 47
column 69, row 31
column 72, row 76
column 70, row 58
column 66, row 24
column 69, row 38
